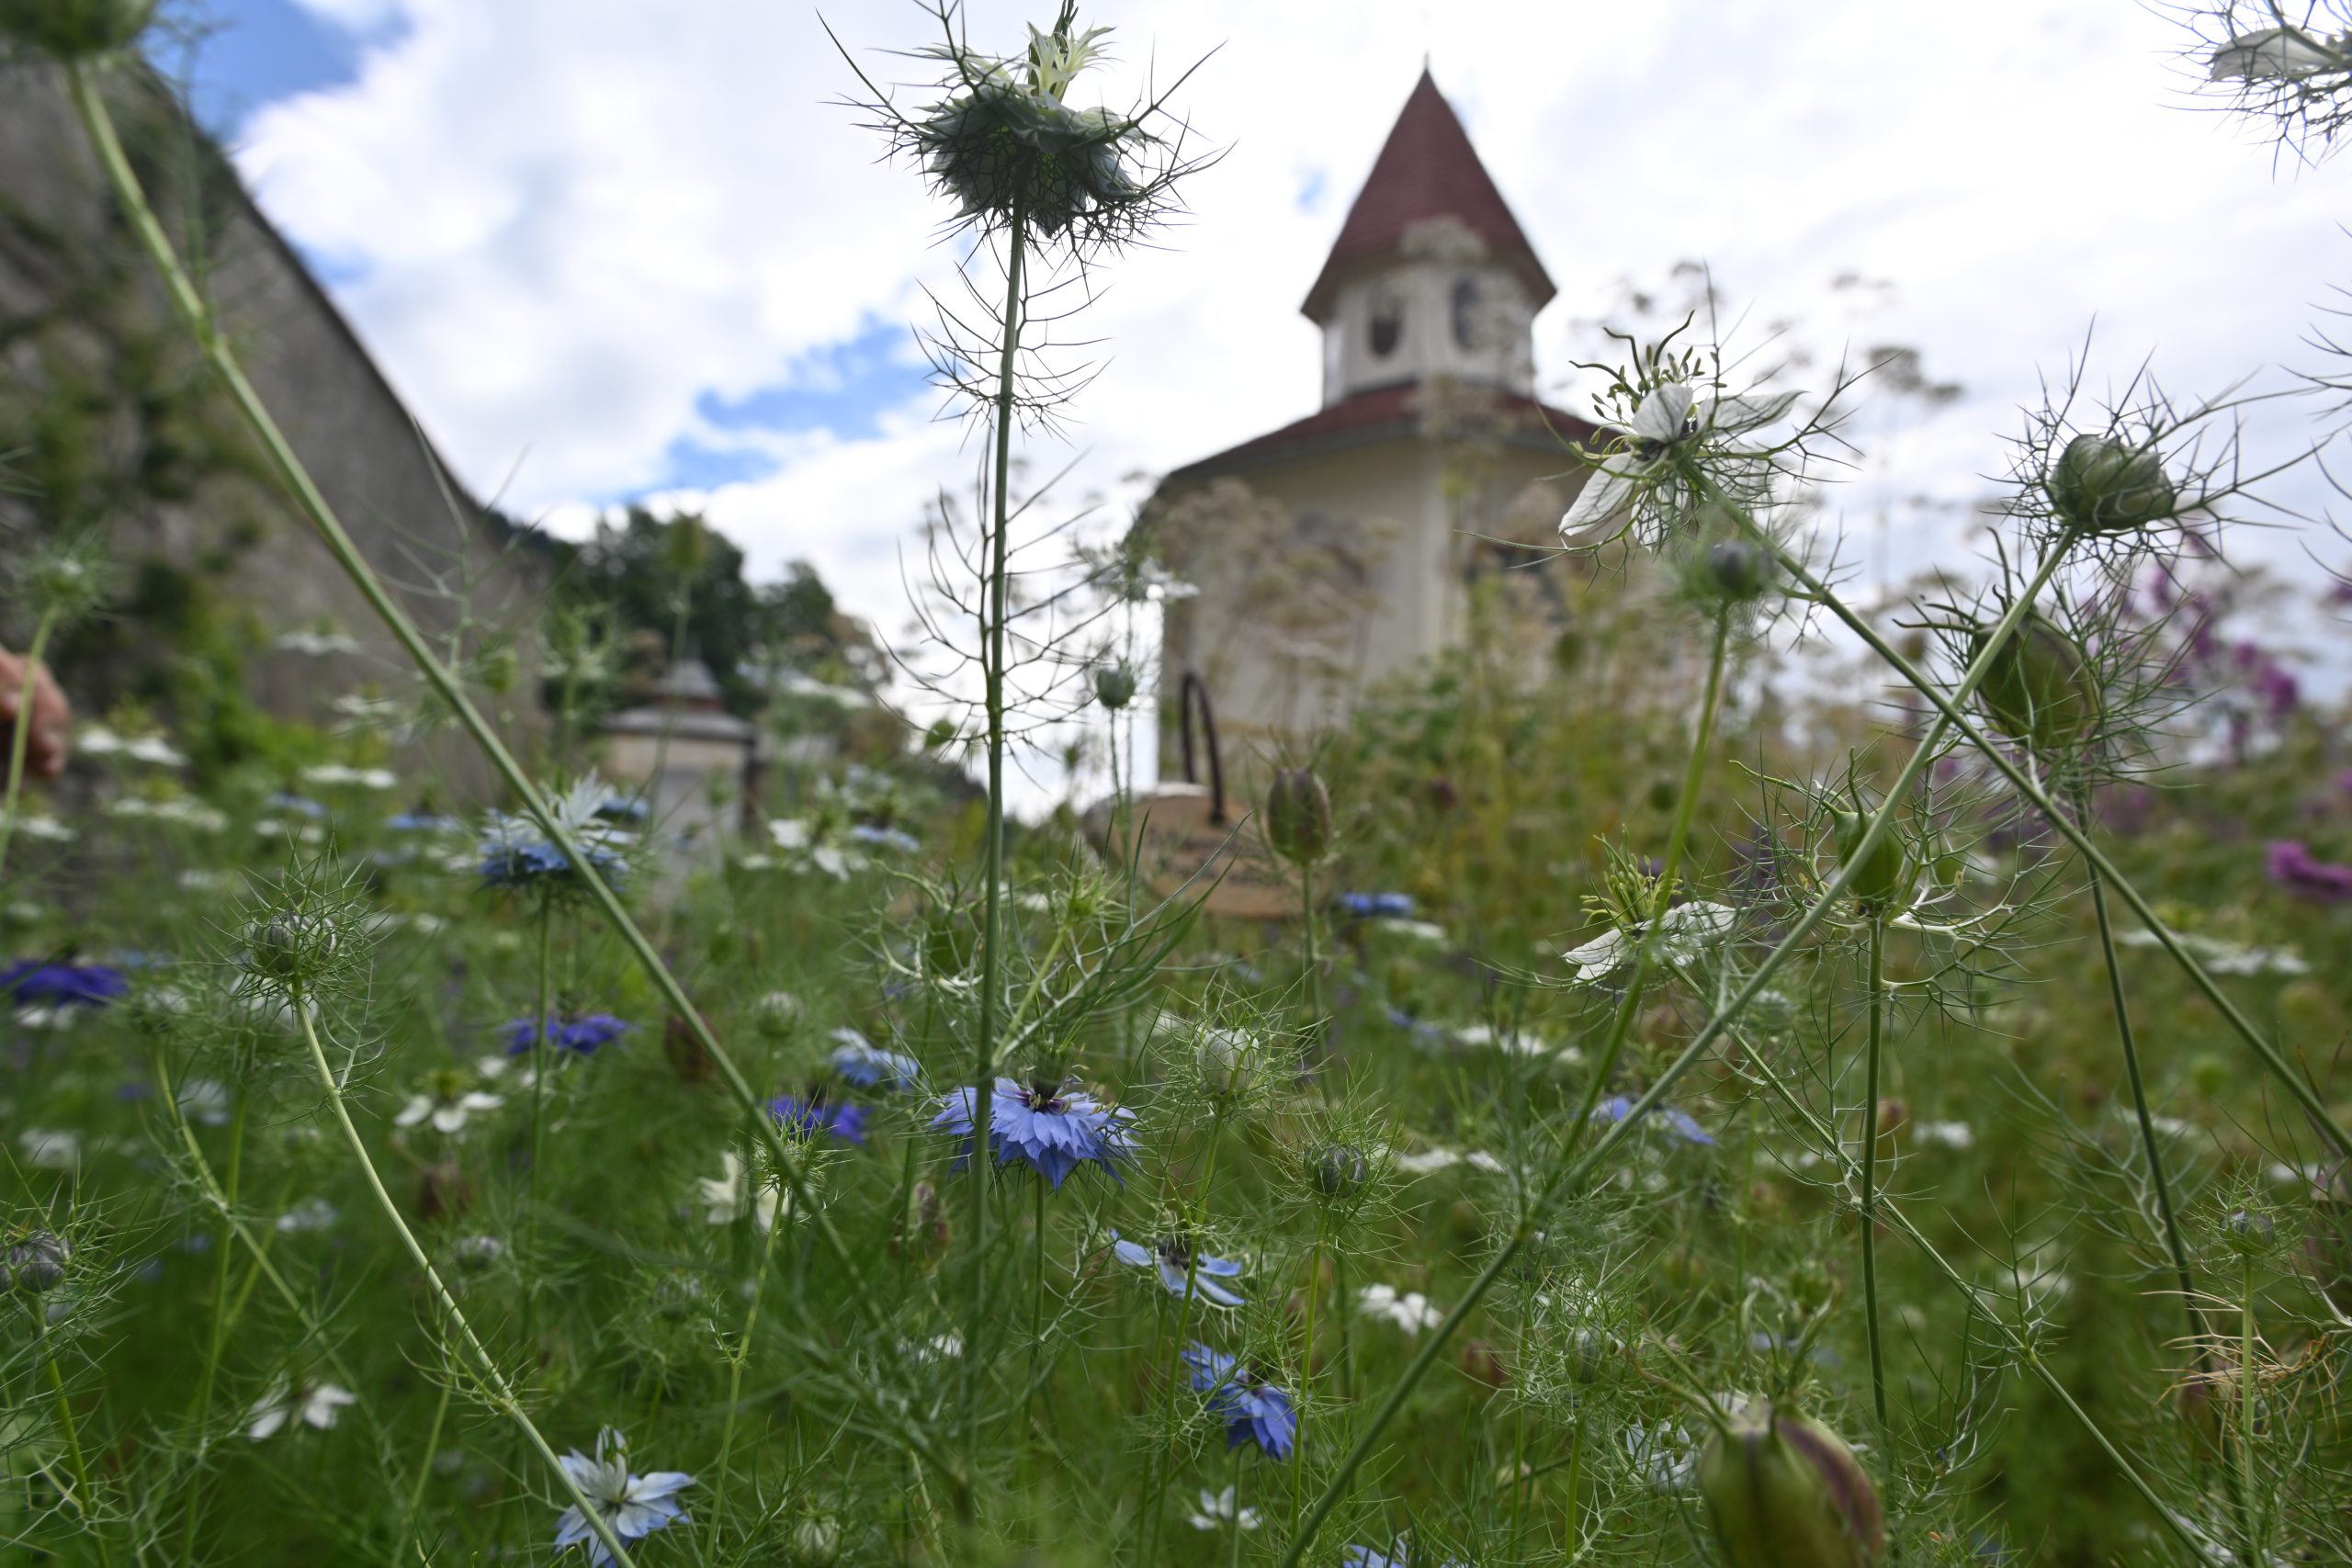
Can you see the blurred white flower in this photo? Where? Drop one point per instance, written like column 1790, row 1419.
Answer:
column 2277, row 54
column 42, row 829
column 316, row 644
column 205, row 1100
column 1683, row 933
column 448, row 1112
column 317, row 1406
column 311, row 1214
column 1217, row 1511
column 50, row 1148
column 1946, row 1134
column 727, row 1195
column 1410, row 1311
column 1440, row 1159
column 331, row 774
column 2224, row 957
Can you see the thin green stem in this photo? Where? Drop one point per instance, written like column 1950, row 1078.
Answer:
column 424, row 1464
column 542, row 1065
column 1875, row 1046
column 744, row 1349
column 217, row 1334
column 2255, row 1532
column 999, row 601
column 20, row 740
column 1570, row 1178
column 501, row 1393
column 83, row 1494
column 197, row 317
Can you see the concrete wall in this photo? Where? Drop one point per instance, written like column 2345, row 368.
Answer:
column 60, row 235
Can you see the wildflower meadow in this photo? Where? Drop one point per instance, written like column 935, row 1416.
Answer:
column 1660, row 1115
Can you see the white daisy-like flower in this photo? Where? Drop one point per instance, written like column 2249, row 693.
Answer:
column 1684, row 933
column 2277, row 54
column 1670, row 416
column 317, row 1406
column 728, row 1194
column 448, row 1116
column 1409, row 1310
column 632, row 1505
column 1217, row 1511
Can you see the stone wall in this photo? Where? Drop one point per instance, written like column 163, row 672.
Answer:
column 113, row 426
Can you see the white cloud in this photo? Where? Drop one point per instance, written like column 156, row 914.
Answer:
column 570, row 220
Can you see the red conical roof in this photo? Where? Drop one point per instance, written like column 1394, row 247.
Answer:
column 1427, row 169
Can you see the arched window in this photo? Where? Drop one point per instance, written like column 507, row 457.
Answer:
column 1388, row 324
column 1469, row 331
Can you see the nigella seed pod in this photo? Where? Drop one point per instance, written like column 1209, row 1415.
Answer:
column 1783, row 1491
column 291, row 947
column 1298, row 816
column 1115, row 684
column 777, row 1014
column 1884, row 879
column 1339, row 1171
column 2101, row 486
column 36, row 1263
column 1737, row 570
column 2040, row 688
column 817, row 1541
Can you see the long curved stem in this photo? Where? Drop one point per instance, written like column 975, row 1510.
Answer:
column 743, row 1350
column 493, row 1382
column 1870, row 1170
column 20, row 740
column 998, row 603
column 196, row 317
column 1570, row 1178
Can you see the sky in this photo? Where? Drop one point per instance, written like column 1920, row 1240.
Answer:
column 612, row 252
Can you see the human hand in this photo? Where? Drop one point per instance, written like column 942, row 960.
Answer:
column 52, row 716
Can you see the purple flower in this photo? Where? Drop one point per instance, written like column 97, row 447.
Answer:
column 2293, row 867
column 1179, row 1264
column 867, row 1065
column 1251, row 1411
column 582, row 1036
column 1681, row 1123
column 1053, row 1128
column 34, row 982
column 815, row 1115
column 1377, row 905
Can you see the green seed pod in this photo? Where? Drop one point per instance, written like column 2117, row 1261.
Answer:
column 2101, row 486
column 817, row 1541
column 777, row 1014
column 291, row 947
column 73, row 29
column 1115, row 684
column 1737, row 570
column 1339, row 1171
column 1298, row 816
column 1783, row 1491
column 1888, row 876
column 2040, row 688
column 1227, row 1061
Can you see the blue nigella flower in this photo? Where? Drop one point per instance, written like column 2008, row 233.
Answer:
column 300, row 806
column 1251, row 1411
column 810, row 1117
column 884, row 838
column 1397, row 1556
column 36, row 983
column 582, row 1036
column 634, row 1505
column 516, row 853
column 1681, row 1123
column 867, row 1065
column 618, row 808
column 422, row 822
column 1177, row 1261
column 1055, row 1128
column 1377, row 905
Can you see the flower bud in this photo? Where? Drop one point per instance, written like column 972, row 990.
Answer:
column 1737, row 570
column 38, row 1262
column 1115, row 684
column 1886, row 876
column 2040, row 688
column 1298, row 816
column 1783, row 1491
column 817, row 1541
column 777, row 1014
column 2101, row 486
column 291, row 947
column 1227, row 1060
column 1339, row 1170
column 73, row 29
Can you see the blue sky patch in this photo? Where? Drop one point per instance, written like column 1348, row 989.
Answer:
column 253, row 52
column 1311, row 187
column 844, row 387
column 690, row 465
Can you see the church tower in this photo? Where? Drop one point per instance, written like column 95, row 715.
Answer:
column 1343, row 548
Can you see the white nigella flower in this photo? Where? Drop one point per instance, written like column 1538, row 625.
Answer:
column 1946, row 1134
column 1217, row 1511
column 1683, row 933
column 311, row 1214
column 42, row 829
column 1665, row 1454
column 1670, row 416
column 204, row 1100
column 633, row 1506
column 331, row 774
column 447, row 1103
column 316, row 644
column 317, row 1406
column 2277, row 54
column 2225, row 958
column 1441, row 1158
column 50, row 1148
column 729, row 1193
column 154, row 751
column 1409, row 1310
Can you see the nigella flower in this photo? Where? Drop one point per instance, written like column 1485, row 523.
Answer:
column 1052, row 1127
column 1251, row 1411
column 517, row 853
column 633, row 1506
column 867, row 1065
column 1681, row 1123
column 2277, row 54
column 1377, row 905
column 815, row 1115
column 1218, row 1510
column 1665, row 1454
column 448, row 1102
column 728, row 1195
column 35, row 982
column 1683, row 933
column 1409, row 1310
column 2295, row 868
column 582, row 1036
column 1397, row 1556
column 884, row 838
column 1668, row 424
column 1182, row 1267
column 317, row 1406
column 422, row 822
